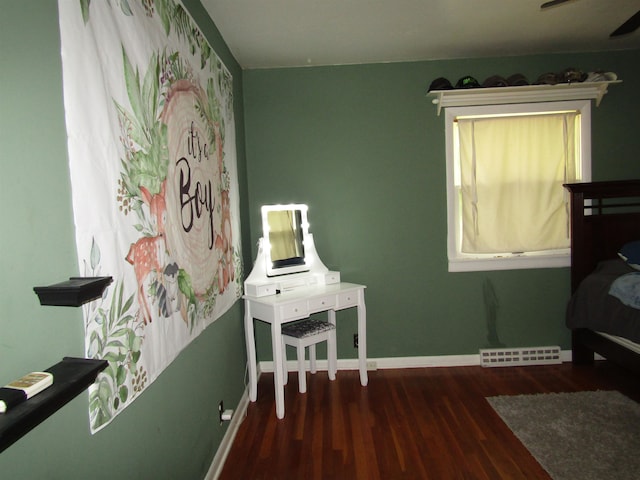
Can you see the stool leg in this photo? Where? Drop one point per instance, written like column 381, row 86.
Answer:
column 285, row 371
column 302, row 374
column 312, row 358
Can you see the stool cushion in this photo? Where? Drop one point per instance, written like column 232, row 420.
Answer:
column 306, row 328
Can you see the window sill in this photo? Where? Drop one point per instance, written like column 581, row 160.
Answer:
column 523, row 94
column 516, row 262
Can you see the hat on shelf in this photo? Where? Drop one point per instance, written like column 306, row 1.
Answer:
column 571, row 75
column 440, row 83
column 517, row 80
column 549, row 78
column 467, row 82
column 600, row 76
column 495, row 81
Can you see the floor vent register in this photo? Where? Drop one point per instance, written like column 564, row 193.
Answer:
column 507, row 357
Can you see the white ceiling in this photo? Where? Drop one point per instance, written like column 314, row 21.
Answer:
column 292, row 33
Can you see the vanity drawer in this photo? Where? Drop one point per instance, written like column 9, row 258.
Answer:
column 347, row 299
column 322, row 303
column 294, row 310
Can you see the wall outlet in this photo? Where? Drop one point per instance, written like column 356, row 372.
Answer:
column 355, row 340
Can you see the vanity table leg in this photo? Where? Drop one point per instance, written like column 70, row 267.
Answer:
column 362, row 339
column 278, row 381
column 251, row 352
column 332, row 354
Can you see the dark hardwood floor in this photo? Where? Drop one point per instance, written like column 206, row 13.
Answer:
column 423, row 423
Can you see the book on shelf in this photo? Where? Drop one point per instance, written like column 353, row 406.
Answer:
column 22, row 389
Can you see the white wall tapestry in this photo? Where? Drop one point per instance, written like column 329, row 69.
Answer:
column 149, row 113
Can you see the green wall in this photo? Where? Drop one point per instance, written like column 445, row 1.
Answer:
column 364, row 148
column 172, row 430
column 361, row 145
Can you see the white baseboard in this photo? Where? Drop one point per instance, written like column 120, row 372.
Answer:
column 397, row 362
column 227, row 441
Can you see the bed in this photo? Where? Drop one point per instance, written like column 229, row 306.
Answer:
column 605, row 216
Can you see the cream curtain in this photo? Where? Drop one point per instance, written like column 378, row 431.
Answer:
column 511, row 175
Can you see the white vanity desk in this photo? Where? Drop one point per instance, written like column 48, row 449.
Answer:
column 294, row 305
column 289, row 282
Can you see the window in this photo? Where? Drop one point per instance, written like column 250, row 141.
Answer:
column 507, row 208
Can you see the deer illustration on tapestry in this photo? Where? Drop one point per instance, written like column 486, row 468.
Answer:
column 148, row 253
column 224, row 240
column 224, row 246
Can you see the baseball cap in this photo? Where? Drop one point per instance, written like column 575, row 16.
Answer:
column 467, row 82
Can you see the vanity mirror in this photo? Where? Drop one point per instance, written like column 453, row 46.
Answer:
column 285, row 232
column 287, row 258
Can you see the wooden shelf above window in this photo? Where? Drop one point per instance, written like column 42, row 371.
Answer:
column 523, row 94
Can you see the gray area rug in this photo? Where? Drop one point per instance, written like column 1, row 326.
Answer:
column 581, row 435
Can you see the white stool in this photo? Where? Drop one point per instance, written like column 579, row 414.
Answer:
column 307, row 333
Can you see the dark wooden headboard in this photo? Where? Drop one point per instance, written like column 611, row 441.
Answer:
column 604, row 216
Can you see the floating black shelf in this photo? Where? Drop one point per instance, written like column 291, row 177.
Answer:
column 73, row 292
column 71, row 377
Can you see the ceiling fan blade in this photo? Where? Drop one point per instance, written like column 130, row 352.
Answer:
column 553, row 3
column 627, row 27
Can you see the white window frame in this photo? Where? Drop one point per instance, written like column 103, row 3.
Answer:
column 462, row 262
